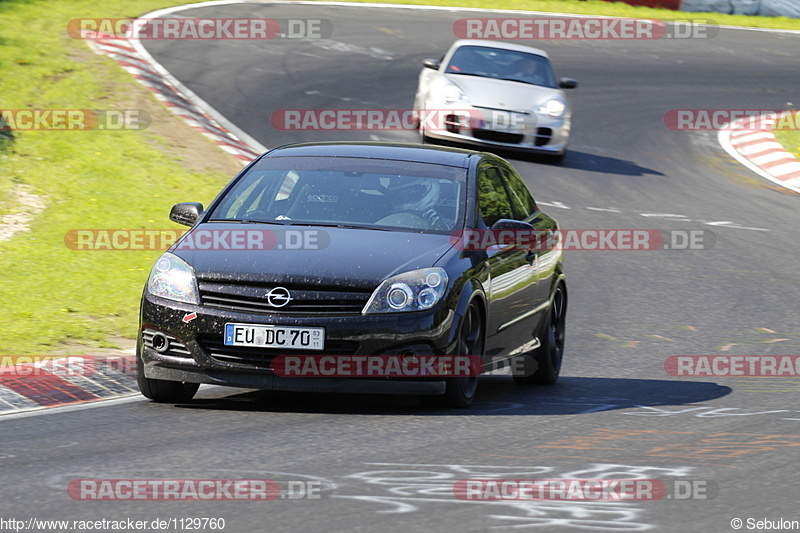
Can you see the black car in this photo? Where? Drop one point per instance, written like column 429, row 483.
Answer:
column 355, row 250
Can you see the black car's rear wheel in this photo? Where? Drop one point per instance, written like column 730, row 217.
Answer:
column 460, row 391
column 162, row 391
column 550, row 354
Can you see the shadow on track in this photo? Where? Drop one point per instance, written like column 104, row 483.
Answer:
column 574, row 159
column 496, row 395
column 590, row 163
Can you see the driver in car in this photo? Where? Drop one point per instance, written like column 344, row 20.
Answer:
column 528, row 71
column 418, row 197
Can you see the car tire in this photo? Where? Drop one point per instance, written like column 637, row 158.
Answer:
column 162, row 391
column 550, row 354
column 460, row 391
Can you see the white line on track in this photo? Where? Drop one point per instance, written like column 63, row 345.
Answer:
column 38, row 411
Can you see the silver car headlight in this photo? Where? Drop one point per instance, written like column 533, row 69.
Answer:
column 552, row 108
column 172, row 278
column 451, row 94
column 417, row 290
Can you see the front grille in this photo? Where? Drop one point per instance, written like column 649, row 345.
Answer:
column 253, row 299
column 262, row 357
column 543, row 136
column 497, row 136
column 175, row 347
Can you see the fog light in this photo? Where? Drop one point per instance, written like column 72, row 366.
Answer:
column 409, row 358
column 160, row 342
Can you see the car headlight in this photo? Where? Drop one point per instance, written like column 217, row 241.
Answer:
column 552, row 108
column 411, row 291
column 452, row 94
column 172, row 278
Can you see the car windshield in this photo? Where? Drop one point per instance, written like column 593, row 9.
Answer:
column 348, row 192
column 502, row 64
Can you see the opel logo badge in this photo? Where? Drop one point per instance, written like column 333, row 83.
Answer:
column 278, row 297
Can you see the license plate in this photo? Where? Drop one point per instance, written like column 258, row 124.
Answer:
column 503, row 122
column 289, row 337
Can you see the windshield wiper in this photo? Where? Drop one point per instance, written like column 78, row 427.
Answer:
column 522, row 81
column 469, row 74
column 336, row 225
column 271, row 222
column 248, row 221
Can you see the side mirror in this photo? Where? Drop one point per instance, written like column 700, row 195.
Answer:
column 433, row 64
column 515, row 233
column 506, row 224
column 567, row 83
column 186, row 213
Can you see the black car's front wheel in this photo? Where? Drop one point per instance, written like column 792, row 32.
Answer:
column 460, row 390
column 162, row 391
column 550, row 354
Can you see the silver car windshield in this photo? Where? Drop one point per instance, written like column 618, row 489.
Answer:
column 496, row 63
column 348, row 192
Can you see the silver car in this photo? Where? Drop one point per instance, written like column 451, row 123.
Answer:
column 494, row 94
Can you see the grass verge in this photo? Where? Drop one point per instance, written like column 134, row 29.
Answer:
column 790, row 139
column 49, row 294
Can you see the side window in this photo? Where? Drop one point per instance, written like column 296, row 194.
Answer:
column 493, row 201
column 521, row 200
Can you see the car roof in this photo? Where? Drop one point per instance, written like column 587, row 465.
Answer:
column 500, row 44
column 439, row 155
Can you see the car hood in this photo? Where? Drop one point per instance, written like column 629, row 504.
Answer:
column 351, row 258
column 501, row 94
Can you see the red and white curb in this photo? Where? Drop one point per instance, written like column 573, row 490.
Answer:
column 69, row 380
column 180, row 100
column 754, row 146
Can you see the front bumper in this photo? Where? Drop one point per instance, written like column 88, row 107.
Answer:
column 195, row 352
column 532, row 132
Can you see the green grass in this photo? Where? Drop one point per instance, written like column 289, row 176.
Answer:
column 612, row 9
column 790, row 140
column 50, row 294
column 788, row 134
